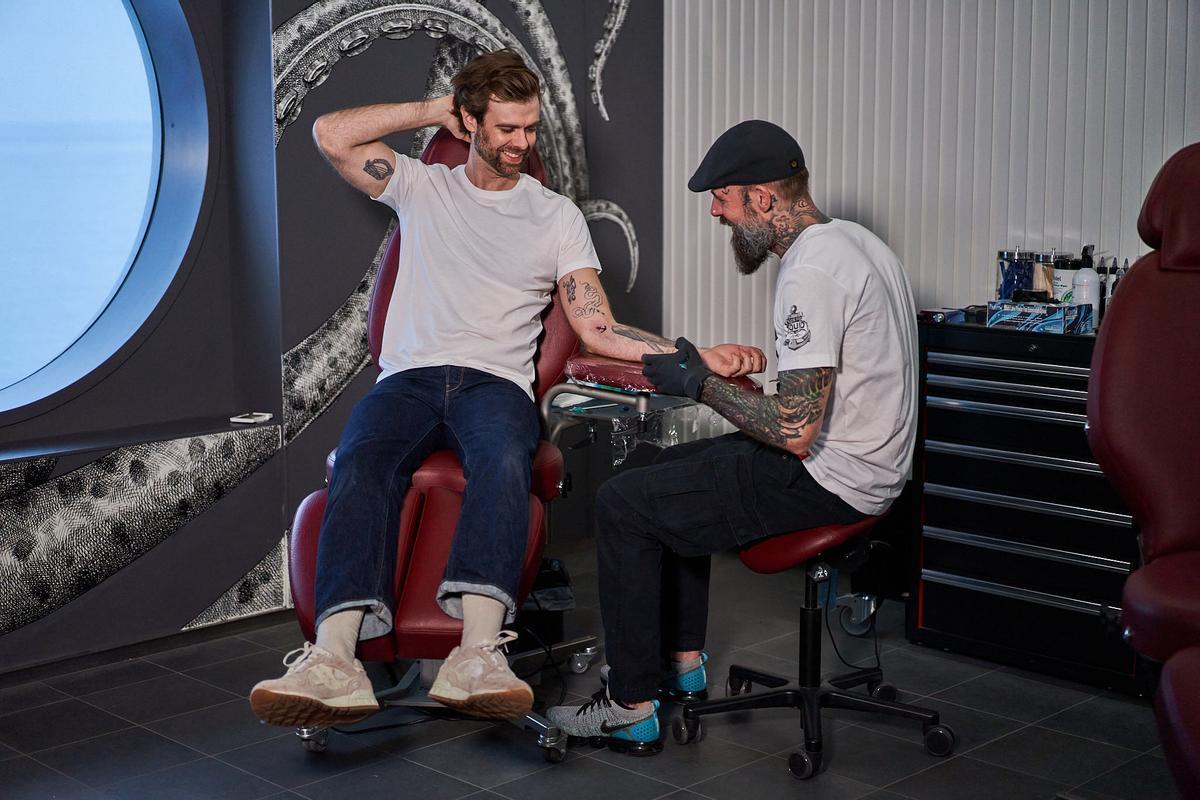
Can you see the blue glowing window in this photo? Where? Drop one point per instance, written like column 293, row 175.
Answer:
column 79, row 170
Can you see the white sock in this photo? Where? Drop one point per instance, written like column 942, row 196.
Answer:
column 682, row 667
column 338, row 633
column 483, row 617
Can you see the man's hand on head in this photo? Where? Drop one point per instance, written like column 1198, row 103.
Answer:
column 680, row 373
column 734, row 360
column 453, row 121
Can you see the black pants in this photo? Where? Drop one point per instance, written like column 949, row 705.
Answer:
column 657, row 527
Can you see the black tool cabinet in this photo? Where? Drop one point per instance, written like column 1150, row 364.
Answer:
column 1024, row 546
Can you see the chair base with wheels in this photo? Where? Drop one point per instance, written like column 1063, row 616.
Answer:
column 819, row 550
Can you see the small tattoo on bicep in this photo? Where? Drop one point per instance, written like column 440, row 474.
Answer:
column 591, row 303
column 378, row 168
column 569, row 285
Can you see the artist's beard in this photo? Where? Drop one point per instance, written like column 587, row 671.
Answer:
column 490, row 154
column 751, row 243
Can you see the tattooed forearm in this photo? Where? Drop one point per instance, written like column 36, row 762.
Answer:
column 782, row 420
column 591, row 301
column 655, row 343
column 378, row 168
column 568, row 285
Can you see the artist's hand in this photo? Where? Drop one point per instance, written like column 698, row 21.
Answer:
column 734, row 360
column 680, row 373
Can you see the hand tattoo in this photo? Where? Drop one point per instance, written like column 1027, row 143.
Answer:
column 591, row 301
column 655, row 343
column 378, row 168
column 569, row 285
column 776, row 419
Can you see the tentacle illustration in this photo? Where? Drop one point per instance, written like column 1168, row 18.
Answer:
column 66, row 536
column 20, row 476
column 612, row 28
column 451, row 55
column 609, row 211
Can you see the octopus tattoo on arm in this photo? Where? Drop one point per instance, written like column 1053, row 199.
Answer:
column 779, row 419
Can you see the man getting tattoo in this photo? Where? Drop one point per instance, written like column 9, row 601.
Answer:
column 482, row 247
column 834, row 445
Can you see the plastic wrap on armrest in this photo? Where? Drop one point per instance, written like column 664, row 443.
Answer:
column 626, row 375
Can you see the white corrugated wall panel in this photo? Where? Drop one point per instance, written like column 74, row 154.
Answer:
column 951, row 128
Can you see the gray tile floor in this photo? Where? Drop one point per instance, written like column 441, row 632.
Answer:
column 175, row 724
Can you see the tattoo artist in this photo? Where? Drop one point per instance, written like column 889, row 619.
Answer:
column 834, row 444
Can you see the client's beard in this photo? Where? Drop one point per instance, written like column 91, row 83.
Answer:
column 751, row 243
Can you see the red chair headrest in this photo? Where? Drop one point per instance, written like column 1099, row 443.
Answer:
column 1170, row 218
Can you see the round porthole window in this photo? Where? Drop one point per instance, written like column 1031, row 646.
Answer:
column 79, row 152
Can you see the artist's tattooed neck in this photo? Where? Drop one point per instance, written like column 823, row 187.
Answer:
column 791, row 220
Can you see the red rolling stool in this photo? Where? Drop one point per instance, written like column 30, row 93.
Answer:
column 1177, row 708
column 430, row 514
column 818, row 551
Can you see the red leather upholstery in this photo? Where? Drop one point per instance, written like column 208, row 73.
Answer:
column 1142, row 392
column 779, row 553
column 1161, row 605
column 627, row 375
column 431, row 507
column 1177, row 707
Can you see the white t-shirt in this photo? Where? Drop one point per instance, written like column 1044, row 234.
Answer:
column 476, row 270
column 842, row 300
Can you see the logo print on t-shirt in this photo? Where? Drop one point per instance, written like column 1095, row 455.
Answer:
column 797, row 330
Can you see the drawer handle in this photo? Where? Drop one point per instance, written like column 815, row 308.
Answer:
column 1003, row 387
column 1031, row 550
column 1008, row 456
column 1014, row 593
column 1062, row 370
column 998, row 410
column 1025, row 504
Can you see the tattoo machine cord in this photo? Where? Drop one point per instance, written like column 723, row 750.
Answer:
column 832, row 641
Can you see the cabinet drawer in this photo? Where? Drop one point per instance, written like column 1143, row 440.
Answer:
column 1028, row 622
column 1012, row 519
column 1014, row 428
column 1039, row 569
column 1061, row 481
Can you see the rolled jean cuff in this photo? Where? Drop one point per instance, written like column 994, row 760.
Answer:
column 449, row 598
column 377, row 617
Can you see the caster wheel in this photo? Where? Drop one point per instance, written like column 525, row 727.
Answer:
column 315, row 742
column 801, row 765
column 555, row 755
column 685, row 732
column 846, row 620
column 580, row 663
column 735, row 686
column 883, row 691
column 939, row 740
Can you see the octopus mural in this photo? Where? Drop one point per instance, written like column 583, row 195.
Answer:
column 61, row 536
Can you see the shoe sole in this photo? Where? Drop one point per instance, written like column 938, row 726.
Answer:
column 297, row 711
column 509, row 704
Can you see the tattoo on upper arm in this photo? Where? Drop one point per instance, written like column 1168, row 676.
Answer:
column 591, row 301
column 378, row 168
column 655, row 343
column 569, row 285
column 776, row 420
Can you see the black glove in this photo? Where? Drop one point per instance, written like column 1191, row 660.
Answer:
column 679, row 373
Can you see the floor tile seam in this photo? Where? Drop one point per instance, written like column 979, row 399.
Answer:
column 62, row 699
column 41, row 763
column 739, row 744
column 1085, row 738
column 595, row 756
column 477, row 787
column 1051, row 715
column 726, row 772
column 1108, row 772
column 444, row 741
column 143, row 724
column 206, row 665
column 130, row 684
column 966, row 757
column 211, row 755
column 201, row 757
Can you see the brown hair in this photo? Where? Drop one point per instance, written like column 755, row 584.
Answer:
column 502, row 74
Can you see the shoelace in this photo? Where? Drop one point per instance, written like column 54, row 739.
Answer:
column 296, row 657
column 504, row 638
column 600, row 698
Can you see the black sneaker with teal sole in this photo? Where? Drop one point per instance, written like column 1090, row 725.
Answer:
column 685, row 687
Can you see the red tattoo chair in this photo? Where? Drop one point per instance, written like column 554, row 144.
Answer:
column 429, row 516
column 1144, row 431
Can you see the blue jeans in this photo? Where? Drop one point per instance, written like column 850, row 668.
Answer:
column 493, row 427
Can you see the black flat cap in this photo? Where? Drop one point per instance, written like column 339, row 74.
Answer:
column 750, row 152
